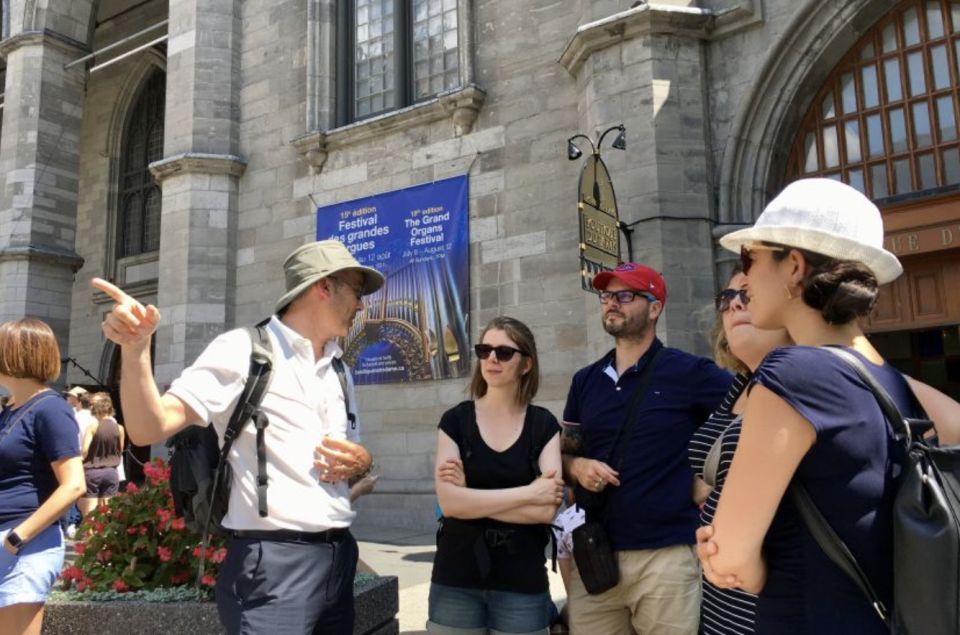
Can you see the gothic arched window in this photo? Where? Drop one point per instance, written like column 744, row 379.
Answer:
column 886, row 119
column 139, row 225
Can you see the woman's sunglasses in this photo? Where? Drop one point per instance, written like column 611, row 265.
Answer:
column 725, row 298
column 746, row 262
column 504, row 353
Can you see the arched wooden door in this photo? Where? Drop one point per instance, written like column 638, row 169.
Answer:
column 886, row 122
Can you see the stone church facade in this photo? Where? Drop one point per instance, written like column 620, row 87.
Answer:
column 181, row 148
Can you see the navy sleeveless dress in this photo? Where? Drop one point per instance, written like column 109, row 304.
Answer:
column 851, row 473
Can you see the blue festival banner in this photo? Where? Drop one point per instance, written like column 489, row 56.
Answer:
column 415, row 327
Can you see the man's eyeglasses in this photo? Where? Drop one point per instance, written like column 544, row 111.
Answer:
column 625, row 297
column 357, row 291
column 504, row 353
column 746, row 262
column 725, row 298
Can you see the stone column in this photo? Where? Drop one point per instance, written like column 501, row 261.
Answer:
column 648, row 66
column 39, row 155
column 199, row 176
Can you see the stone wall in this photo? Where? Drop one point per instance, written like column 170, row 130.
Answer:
column 682, row 76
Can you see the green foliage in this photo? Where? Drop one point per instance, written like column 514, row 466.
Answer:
column 136, row 542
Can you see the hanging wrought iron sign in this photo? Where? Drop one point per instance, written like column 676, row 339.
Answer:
column 599, row 221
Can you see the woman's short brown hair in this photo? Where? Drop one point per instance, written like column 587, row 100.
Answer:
column 29, row 350
column 101, row 405
column 521, row 335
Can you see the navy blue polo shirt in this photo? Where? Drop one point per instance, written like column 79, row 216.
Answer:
column 653, row 506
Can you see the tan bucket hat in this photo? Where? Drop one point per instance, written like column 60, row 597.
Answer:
column 313, row 261
column 76, row 391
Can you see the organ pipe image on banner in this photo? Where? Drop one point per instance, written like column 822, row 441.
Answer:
column 416, row 327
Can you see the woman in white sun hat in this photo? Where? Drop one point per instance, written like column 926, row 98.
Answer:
column 814, row 261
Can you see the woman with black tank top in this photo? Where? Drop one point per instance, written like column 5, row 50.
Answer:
column 813, row 262
column 498, row 485
column 102, row 452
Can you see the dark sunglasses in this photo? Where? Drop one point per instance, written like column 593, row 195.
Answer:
column 504, row 353
column 725, row 298
column 746, row 262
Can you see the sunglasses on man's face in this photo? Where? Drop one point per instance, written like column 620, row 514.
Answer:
column 725, row 298
column 746, row 261
column 504, row 353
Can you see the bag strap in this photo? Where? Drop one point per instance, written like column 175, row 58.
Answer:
column 900, row 425
column 247, row 409
column 23, row 413
column 341, row 371
column 834, row 547
column 831, row 544
column 615, row 458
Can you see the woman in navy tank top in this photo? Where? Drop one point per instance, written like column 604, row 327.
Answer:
column 814, row 261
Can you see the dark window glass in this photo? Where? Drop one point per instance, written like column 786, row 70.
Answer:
column 139, row 224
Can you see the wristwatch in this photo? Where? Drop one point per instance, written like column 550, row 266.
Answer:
column 15, row 541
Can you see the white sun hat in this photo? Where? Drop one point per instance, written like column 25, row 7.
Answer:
column 826, row 217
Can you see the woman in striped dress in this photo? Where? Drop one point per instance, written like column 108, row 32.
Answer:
column 740, row 347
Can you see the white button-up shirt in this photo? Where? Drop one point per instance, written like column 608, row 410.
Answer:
column 304, row 403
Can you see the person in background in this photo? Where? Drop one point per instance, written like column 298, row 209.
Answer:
column 79, row 400
column 498, row 484
column 102, row 449
column 40, row 473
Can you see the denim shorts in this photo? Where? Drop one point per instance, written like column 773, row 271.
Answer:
column 460, row 611
column 28, row 577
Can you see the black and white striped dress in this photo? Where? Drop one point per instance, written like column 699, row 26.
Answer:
column 723, row 611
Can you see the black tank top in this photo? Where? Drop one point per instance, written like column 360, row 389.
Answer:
column 105, row 447
column 485, row 553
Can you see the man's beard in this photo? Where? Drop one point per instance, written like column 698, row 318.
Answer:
column 628, row 327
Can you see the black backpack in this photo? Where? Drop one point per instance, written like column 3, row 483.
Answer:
column 926, row 528
column 200, row 475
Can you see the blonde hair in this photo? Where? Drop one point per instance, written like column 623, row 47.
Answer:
column 721, row 349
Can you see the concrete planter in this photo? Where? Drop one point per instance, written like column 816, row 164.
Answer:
column 377, row 603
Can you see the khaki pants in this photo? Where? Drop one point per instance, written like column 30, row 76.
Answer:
column 658, row 594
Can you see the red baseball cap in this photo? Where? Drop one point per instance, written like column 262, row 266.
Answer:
column 636, row 276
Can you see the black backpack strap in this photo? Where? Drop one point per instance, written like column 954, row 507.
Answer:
column 625, row 434
column 834, row 547
column 341, row 371
column 247, row 409
column 831, row 544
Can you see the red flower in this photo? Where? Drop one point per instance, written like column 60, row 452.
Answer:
column 120, row 586
column 196, row 552
column 132, row 530
column 208, row 580
column 72, row 573
column 164, row 554
column 132, row 488
column 79, row 548
column 218, row 555
column 178, row 524
column 164, row 515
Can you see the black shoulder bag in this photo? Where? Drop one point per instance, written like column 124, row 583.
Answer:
column 592, row 551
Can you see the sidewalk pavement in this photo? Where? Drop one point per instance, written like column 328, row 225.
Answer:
column 409, row 556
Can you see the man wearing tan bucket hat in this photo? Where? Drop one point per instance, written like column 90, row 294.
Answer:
column 292, row 570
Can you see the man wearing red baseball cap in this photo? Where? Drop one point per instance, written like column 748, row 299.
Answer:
column 628, row 420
